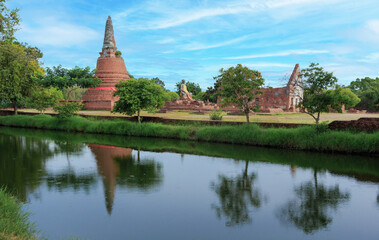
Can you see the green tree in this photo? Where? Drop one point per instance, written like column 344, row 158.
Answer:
column 170, row 96
column 239, row 85
column 192, row 87
column 136, row 95
column 43, row 98
column 18, row 73
column 367, row 90
column 344, row 96
column 70, row 81
column 156, row 80
column 317, row 96
column 9, row 19
column 211, row 93
column 67, row 109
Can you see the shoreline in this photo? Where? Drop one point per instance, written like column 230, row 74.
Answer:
column 309, row 138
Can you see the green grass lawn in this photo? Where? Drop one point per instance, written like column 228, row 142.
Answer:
column 278, row 118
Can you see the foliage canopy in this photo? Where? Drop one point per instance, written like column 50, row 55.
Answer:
column 136, row 95
column 239, row 85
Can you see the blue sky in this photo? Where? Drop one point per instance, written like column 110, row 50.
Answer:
column 192, row 40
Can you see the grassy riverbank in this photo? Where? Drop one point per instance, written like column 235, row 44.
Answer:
column 305, row 138
column 14, row 221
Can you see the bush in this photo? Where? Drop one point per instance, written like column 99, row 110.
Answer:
column 67, row 109
column 216, row 115
column 118, row 53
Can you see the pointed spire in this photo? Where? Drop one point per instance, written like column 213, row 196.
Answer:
column 109, row 44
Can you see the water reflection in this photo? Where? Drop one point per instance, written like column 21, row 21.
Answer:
column 310, row 210
column 118, row 166
column 22, row 164
column 236, row 195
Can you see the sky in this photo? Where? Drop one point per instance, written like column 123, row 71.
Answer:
column 194, row 39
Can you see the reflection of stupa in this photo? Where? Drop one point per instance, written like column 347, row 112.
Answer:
column 108, row 168
column 110, row 69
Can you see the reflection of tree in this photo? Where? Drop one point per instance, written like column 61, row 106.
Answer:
column 69, row 180
column 143, row 174
column 22, row 163
column 310, row 210
column 236, row 195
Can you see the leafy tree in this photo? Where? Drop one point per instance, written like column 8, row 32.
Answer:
column 18, row 73
column 170, row 96
column 192, row 87
column 156, row 80
column 344, row 96
column 317, row 97
column 239, row 85
column 367, row 90
column 70, row 80
column 211, row 93
column 9, row 19
column 43, row 98
column 199, row 96
column 67, row 109
column 136, row 95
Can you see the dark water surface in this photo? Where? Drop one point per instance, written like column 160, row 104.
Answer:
column 109, row 187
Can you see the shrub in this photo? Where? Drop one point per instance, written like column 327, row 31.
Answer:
column 118, row 53
column 67, row 109
column 216, row 115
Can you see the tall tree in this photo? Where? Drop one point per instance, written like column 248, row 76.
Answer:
column 367, row 90
column 239, row 85
column 9, row 19
column 18, row 73
column 69, row 81
column 318, row 96
column 136, row 95
column 43, row 98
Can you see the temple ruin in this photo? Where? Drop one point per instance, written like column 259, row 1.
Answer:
column 110, row 68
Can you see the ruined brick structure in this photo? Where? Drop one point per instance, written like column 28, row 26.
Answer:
column 285, row 98
column 110, row 69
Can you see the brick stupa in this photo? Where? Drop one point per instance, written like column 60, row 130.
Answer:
column 111, row 70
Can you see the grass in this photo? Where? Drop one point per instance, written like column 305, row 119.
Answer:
column 276, row 117
column 305, row 138
column 14, row 221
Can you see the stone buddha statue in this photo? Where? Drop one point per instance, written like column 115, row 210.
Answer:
column 184, row 94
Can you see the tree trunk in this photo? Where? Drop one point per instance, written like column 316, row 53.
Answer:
column 247, row 117
column 15, row 112
column 139, row 117
column 318, row 118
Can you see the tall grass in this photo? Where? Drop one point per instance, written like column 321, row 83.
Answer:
column 306, row 138
column 14, row 221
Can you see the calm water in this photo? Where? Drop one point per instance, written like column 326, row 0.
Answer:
column 107, row 187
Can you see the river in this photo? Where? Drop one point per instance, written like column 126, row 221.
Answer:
column 112, row 187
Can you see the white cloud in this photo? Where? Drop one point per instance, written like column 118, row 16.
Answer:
column 368, row 33
column 173, row 16
column 200, row 46
column 55, row 33
column 372, row 57
column 280, row 54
